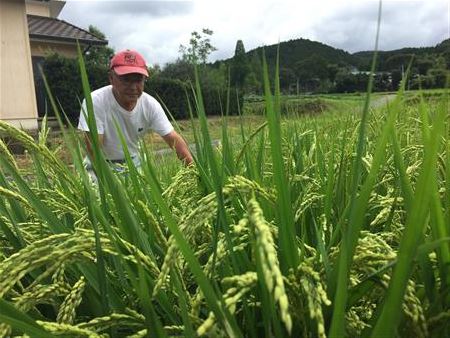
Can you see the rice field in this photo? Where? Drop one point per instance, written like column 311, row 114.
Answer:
column 329, row 225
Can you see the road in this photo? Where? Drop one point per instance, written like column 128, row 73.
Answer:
column 381, row 101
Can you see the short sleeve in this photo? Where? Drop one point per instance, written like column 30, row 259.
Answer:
column 82, row 122
column 159, row 122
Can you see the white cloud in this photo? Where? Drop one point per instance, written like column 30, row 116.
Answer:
column 157, row 28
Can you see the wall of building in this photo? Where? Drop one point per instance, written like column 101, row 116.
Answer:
column 50, row 8
column 17, row 93
column 37, row 8
column 45, row 48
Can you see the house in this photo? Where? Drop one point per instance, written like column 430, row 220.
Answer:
column 30, row 30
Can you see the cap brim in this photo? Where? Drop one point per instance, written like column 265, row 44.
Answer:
column 123, row 70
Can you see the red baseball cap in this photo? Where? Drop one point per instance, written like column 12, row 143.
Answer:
column 127, row 62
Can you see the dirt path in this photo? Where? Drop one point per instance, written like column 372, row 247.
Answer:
column 381, row 101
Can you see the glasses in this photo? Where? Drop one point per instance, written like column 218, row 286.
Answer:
column 130, row 79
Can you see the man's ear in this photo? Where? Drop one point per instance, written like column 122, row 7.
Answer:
column 110, row 77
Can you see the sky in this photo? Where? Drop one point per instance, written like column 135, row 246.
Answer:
column 158, row 28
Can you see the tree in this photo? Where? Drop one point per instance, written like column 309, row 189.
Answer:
column 199, row 47
column 180, row 69
column 252, row 84
column 288, row 79
column 215, row 77
column 422, row 82
column 398, row 62
column 253, row 81
column 396, row 78
column 239, row 66
column 424, row 64
column 64, row 79
column 311, row 71
column 439, row 76
column 382, row 82
column 349, row 83
column 446, row 56
column 332, row 70
column 155, row 70
column 99, row 55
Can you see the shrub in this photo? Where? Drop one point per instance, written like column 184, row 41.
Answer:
column 65, row 82
column 290, row 107
column 215, row 101
column 173, row 93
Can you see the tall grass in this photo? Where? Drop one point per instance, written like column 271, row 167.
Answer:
column 287, row 231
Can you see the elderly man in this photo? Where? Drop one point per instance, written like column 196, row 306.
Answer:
column 135, row 112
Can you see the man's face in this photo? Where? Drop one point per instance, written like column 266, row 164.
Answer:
column 128, row 88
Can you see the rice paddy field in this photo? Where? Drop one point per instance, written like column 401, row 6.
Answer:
column 332, row 224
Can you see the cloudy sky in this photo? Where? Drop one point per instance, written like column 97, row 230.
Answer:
column 157, row 28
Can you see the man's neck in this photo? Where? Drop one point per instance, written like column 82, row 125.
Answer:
column 127, row 105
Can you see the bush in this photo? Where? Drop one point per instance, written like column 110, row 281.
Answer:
column 65, row 83
column 215, row 101
column 64, row 79
column 170, row 93
column 290, row 107
column 173, row 94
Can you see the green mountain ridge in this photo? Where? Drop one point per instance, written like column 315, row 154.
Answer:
column 292, row 51
column 295, row 50
column 311, row 66
column 307, row 66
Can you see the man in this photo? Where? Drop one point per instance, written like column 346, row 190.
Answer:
column 135, row 112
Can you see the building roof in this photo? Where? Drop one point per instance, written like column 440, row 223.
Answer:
column 44, row 28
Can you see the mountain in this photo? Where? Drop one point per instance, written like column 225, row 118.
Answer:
column 364, row 58
column 444, row 46
column 293, row 51
column 311, row 66
column 296, row 50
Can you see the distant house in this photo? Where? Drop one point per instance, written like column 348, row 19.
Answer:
column 30, row 30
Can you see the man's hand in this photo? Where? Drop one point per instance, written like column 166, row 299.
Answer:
column 175, row 141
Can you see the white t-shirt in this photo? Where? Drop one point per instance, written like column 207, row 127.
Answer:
column 147, row 115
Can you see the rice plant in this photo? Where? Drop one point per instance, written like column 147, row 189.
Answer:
column 290, row 231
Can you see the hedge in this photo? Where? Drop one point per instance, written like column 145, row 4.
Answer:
column 173, row 94
column 64, row 79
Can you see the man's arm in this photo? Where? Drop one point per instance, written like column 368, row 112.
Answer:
column 89, row 145
column 175, row 141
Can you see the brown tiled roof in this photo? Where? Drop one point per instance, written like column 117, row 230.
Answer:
column 41, row 27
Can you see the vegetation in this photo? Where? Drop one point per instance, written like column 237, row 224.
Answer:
column 65, row 81
column 239, row 68
column 98, row 55
column 199, row 47
column 310, row 66
column 288, row 231
column 306, row 67
column 169, row 86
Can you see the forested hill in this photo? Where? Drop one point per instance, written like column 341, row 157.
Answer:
column 310, row 66
column 294, row 51
column 385, row 58
column 313, row 67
